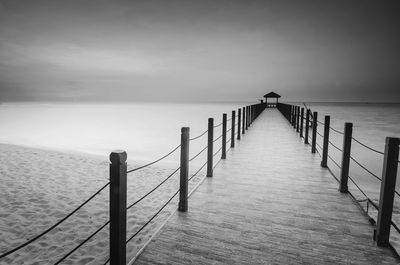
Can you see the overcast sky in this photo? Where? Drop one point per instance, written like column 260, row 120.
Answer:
column 103, row 50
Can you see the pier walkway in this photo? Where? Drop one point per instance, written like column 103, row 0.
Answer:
column 270, row 202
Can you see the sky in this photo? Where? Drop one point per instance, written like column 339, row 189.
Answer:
column 219, row 50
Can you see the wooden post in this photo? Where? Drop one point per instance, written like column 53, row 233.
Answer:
column 233, row 129
column 294, row 117
column 324, row 162
column 291, row 115
column 118, row 170
column 388, row 186
column 247, row 117
column 244, row 121
column 344, row 173
column 301, row 122
column 223, row 155
column 298, row 118
column 314, row 133
column 184, row 170
column 307, row 128
column 239, row 120
column 210, row 151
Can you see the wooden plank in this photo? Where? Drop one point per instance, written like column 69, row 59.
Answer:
column 269, row 202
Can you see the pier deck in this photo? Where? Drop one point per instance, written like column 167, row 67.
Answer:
column 270, row 202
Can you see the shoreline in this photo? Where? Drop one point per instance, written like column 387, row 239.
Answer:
column 50, row 184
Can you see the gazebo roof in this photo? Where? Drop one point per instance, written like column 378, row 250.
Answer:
column 272, row 95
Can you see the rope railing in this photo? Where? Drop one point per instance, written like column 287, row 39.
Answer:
column 199, row 136
column 358, row 187
column 154, row 216
column 217, row 138
column 336, row 131
column 198, row 171
column 366, row 146
column 320, row 134
column 334, row 162
column 55, row 225
column 155, row 161
column 155, row 188
column 217, row 151
column 216, row 126
column 337, row 148
column 366, row 169
column 199, row 153
column 82, row 243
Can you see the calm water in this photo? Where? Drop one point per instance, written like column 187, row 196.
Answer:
column 147, row 131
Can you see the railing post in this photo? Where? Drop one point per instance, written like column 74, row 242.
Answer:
column 184, row 170
column 314, row 133
column 247, row 117
column 244, row 121
column 233, row 129
column 298, row 118
column 307, row 126
column 301, row 122
column 294, row 116
column 239, row 120
column 388, row 186
column 118, row 173
column 223, row 156
column 210, row 151
column 324, row 162
column 291, row 115
column 344, row 173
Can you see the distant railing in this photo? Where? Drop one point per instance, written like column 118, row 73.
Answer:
column 118, row 182
column 295, row 116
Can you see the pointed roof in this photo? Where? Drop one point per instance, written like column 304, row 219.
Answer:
column 272, row 95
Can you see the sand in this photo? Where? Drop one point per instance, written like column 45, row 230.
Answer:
column 39, row 187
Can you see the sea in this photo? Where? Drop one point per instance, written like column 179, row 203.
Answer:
column 147, row 131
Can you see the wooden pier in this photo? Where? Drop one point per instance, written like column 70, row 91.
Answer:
column 269, row 202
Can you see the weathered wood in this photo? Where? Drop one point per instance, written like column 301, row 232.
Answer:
column 307, row 126
column 388, row 186
column 269, row 203
column 244, row 121
column 325, row 147
column 233, row 129
column 344, row 172
column 298, row 118
column 223, row 153
column 247, row 117
column 314, row 133
column 118, row 170
column 184, row 170
column 239, row 121
column 301, row 122
column 210, row 145
column 291, row 114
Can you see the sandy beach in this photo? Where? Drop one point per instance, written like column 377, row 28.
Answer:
column 39, row 187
